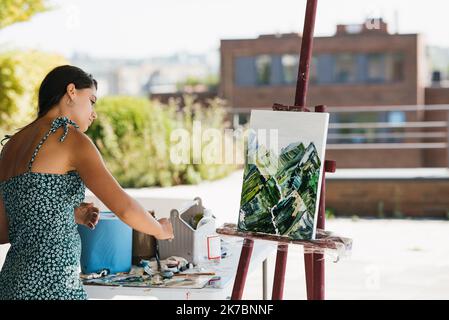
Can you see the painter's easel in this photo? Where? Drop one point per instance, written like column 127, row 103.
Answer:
column 314, row 261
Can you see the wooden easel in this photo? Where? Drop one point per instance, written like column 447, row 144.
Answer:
column 314, row 262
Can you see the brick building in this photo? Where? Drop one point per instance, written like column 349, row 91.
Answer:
column 368, row 67
column 361, row 65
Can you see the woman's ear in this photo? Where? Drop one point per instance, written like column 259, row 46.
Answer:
column 71, row 90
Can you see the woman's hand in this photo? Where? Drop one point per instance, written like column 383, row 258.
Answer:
column 167, row 230
column 88, row 215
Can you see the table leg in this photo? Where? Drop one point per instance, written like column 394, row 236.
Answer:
column 264, row 280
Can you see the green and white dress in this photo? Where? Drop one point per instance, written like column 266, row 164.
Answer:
column 44, row 257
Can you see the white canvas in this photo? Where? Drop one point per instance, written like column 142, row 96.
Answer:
column 283, row 173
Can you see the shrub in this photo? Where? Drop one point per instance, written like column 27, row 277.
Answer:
column 134, row 137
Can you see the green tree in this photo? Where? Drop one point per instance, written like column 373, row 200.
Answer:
column 10, row 88
column 12, row 11
column 21, row 73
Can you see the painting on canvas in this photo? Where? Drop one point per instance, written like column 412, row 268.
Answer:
column 283, row 173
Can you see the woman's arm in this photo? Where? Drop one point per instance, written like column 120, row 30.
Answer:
column 4, row 238
column 90, row 165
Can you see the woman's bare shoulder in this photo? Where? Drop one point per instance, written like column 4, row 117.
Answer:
column 80, row 144
column 9, row 151
column 4, row 147
column 9, row 141
column 78, row 138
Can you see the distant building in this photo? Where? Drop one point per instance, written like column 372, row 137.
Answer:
column 361, row 65
column 140, row 77
column 357, row 66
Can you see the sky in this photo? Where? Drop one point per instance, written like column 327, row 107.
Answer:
column 144, row 28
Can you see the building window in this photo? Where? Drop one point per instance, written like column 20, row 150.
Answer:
column 342, row 68
column 244, row 71
column 396, row 117
column 395, row 67
column 325, row 64
column 345, row 70
column 263, row 69
column 313, row 75
column 290, row 64
column 362, row 135
column 375, row 68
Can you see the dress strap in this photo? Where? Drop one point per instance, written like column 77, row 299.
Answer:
column 56, row 124
column 7, row 136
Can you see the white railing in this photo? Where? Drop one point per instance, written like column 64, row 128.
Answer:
column 381, row 135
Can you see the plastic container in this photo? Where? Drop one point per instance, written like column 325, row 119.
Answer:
column 108, row 246
column 191, row 238
column 207, row 218
column 144, row 245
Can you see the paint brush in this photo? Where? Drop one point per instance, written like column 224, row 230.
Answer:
column 195, row 274
column 158, row 259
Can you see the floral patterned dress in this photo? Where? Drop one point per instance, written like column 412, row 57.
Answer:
column 44, row 257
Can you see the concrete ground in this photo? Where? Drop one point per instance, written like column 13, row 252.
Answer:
column 390, row 259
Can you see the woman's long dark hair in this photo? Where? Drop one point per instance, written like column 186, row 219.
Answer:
column 54, row 86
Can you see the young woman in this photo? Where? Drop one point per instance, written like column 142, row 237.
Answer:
column 44, row 169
